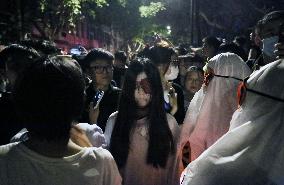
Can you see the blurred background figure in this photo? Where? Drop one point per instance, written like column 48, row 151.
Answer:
column 269, row 27
column 210, row 46
column 165, row 59
column 185, row 62
column 193, row 81
column 119, row 67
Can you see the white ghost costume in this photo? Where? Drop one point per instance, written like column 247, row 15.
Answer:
column 252, row 152
column 211, row 109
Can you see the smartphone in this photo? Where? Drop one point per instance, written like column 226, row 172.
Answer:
column 97, row 98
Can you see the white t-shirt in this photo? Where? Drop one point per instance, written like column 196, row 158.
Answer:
column 91, row 166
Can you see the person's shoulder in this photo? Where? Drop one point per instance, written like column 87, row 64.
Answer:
column 111, row 119
column 105, row 163
column 113, row 115
column 100, row 153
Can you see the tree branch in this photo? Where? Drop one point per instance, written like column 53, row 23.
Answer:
column 211, row 23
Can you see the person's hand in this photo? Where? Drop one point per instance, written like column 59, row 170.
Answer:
column 279, row 50
column 173, row 103
column 93, row 113
column 172, row 98
column 79, row 137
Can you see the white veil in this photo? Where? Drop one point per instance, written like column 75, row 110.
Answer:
column 252, row 152
column 212, row 107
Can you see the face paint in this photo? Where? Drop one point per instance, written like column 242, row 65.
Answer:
column 145, row 85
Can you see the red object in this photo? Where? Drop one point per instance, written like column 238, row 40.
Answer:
column 145, row 85
column 241, row 93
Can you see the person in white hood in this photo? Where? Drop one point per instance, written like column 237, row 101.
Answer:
column 251, row 152
column 211, row 109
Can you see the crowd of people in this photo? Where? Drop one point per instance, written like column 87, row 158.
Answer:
column 168, row 116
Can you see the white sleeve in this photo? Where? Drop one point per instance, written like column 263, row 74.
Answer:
column 109, row 128
column 94, row 134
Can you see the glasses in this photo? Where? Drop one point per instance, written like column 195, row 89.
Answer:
column 243, row 89
column 101, row 69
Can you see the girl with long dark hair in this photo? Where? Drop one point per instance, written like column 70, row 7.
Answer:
column 141, row 136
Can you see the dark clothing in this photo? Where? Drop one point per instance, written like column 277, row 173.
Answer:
column 9, row 122
column 254, row 64
column 250, row 63
column 118, row 76
column 107, row 106
column 179, row 80
column 180, row 114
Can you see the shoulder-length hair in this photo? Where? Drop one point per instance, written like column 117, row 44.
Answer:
column 161, row 144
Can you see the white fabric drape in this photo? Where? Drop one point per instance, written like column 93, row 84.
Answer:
column 212, row 107
column 252, row 152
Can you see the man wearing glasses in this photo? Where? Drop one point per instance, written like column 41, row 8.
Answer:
column 99, row 67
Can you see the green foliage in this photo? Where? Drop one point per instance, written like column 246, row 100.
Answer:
column 51, row 16
column 132, row 18
column 151, row 10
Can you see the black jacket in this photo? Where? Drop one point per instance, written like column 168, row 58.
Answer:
column 107, row 106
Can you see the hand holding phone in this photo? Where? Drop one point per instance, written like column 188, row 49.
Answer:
column 173, row 101
column 97, row 98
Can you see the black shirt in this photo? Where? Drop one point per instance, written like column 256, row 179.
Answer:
column 107, row 106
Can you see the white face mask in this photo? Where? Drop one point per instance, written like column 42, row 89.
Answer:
column 268, row 46
column 174, row 73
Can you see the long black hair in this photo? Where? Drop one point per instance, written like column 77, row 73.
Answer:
column 161, row 144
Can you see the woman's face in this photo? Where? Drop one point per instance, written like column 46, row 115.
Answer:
column 193, row 81
column 142, row 93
